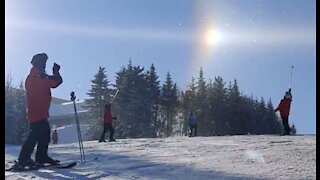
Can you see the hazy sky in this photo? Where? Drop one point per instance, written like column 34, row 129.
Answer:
column 254, row 41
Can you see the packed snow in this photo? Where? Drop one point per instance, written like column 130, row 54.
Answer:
column 218, row 157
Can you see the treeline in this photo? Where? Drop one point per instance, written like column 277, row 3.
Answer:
column 16, row 123
column 146, row 108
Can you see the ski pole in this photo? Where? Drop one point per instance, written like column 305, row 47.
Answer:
column 82, row 155
column 112, row 103
column 79, row 132
column 115, row 96
column 290, row 77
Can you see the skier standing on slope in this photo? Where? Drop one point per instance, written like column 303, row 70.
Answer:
column 284, row 108
column 293, row 130
column 192, row 121
column 54, row 137
column 107, row 123
column 38, row 92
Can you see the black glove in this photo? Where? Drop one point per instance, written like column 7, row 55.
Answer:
column 115, row 118
column 289, row 90
column 56, row 68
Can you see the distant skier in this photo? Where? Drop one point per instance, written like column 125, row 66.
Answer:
column 293, row 130
column 107, row 123
column 192, row 121
column 54, row 137
column 284, row 108
column 38, row 91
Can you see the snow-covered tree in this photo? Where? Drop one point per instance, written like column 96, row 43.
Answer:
column 99, row 95
column 16, row 124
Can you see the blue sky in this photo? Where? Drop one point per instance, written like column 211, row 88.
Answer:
column 254, row 41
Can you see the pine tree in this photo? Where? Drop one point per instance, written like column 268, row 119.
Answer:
column 134, row 119
column 154, row 92
column 274, row 126
column 237, row 125
column 16, row 123
column 202, row 106
column 256, row 116
column 188, row 104
column 22, row 126
column 219, row 106
column 210, row 96
column 169, row 106
column 262, row 120
column 99, row 95
column 9, row 111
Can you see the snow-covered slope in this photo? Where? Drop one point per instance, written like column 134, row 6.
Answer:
column 224, row 157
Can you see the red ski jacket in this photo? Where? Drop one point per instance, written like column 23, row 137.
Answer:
column 39, row 94
column 284, row 107
column 107, row 117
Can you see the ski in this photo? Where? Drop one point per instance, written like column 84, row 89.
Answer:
column 66, row 165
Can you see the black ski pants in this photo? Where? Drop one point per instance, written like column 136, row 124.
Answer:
column 193, row 130
column 285, row 123
column 107, row 127
column 40, row 135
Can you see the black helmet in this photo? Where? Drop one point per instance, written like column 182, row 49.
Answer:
column 39, row 61
column 107, row 106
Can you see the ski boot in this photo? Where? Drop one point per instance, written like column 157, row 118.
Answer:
column 47, row 160
column 24, row 165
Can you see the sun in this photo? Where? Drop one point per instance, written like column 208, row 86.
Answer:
column 212, row 37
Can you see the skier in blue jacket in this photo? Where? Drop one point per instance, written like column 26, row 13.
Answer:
column 192, row 121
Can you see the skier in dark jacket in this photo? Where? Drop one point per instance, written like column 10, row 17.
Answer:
column 192, row 121
column 38, row 91
column 284, row 108
column 107, row 123
column 54, row 137
column 293, row 130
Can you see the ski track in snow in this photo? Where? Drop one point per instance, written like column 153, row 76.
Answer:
column 219, row 157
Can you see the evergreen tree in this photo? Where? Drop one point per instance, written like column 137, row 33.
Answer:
column 237, row 124
column 134, row 119
column 169, row 106
column 16, row 123
column 210, row 99
column 154, row 92
column 274, row 125
column 9, row 111
column 256, row 117
column 188, row 104
column 22, row 125
column 202, row 106
column 219, row 106
column 99, row 95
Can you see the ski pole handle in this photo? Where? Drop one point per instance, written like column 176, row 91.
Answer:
column 73, row 97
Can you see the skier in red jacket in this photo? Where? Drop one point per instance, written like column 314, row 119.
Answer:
column 284, row 108
column 107, row 122
column 38, row 91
